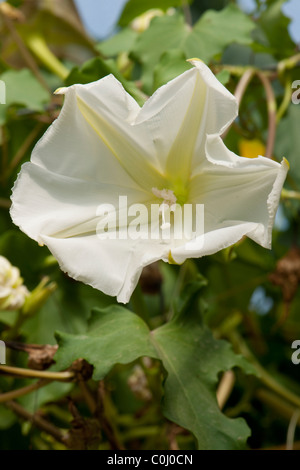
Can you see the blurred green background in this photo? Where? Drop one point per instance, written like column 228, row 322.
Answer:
column 237, row 310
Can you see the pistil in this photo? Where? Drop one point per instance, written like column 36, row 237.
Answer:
column 169, row 200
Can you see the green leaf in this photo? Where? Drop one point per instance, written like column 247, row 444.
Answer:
column 120, row 42
column 97, row 68
column 22, row 88
column 288, row 142
column 171, row 64
column 223, row 77
column 190, row 355
column 272, row 21
column 115, row 336
column 193, row 359
column 90, row 71
column 239, row 54
column 209, row 36
column 8, row 317
column 134, row 8
column 7, row 418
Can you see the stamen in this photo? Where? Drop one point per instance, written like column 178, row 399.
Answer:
column 165, row 225
column 169, row 199
column 167, row 195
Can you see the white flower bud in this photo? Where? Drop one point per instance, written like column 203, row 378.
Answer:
column 12, row 291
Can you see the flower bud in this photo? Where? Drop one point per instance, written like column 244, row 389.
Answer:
column 37, row 298
column 13, row 293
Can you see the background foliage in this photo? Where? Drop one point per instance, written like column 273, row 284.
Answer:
column 201, row 357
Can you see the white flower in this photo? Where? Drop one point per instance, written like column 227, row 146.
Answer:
column 12, row 291
column 104, row 145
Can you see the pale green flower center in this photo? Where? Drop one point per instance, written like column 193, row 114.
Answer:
column 181, row 192
column 177, row 193
column 170, row 200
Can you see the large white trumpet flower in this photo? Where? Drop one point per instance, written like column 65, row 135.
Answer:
column 104, row 148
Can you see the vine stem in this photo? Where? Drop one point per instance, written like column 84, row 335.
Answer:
column 263, row 375
column 187, row 13
column 288, row 194
column 89, row 399
column 28, row 58
column 240, row 90
column 8, row 396
column 289, row 63
column 243, row 84
column 40, row 422
column 291, row 430
column 39, row 47
column 65, row 376
column 271, row 106
column 286, row 99
column 104, row 415
column 25, row 146
column 281, row 406
column 225, row 388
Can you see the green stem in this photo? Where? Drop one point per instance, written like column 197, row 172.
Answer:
column 31, row 138
column 286, row 99
column 4, row 397
column 283, row 408
column 36, row 419
column 287, row 194
column 65, row 376
column 288, row 64
column 271, row 106
column 39, row 47
column 241, row 87
column 187, row 13
column 263, row 375
column 18, row 40
column 106, row 414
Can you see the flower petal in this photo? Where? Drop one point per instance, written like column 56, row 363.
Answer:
column 110, row 266
column 212, row 241
column 240, row 197
column 181, row 113
column 73, row 148
column 45, row 203
column 128, row 143
column 61, row 212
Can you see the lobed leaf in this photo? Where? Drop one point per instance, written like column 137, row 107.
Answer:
column 190, row 355
column 209, row 36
